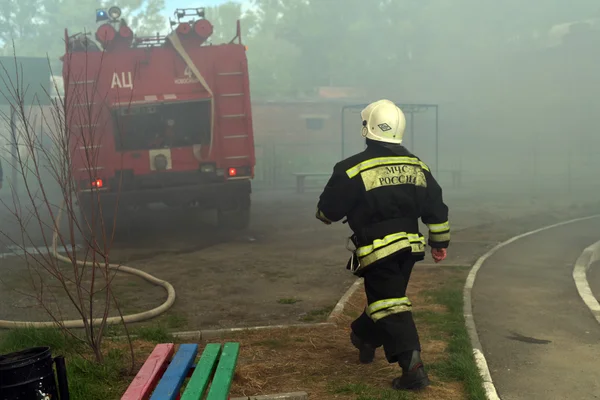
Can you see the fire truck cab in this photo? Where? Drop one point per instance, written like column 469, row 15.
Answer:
column 164, row 119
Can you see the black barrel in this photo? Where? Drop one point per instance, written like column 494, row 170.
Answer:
column 28, row 375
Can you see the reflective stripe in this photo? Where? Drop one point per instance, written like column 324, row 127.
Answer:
column 376, row 162
column 383, row 308
column 439, row 237
column 379, row 243
column 439, row 228
column 322, row 216
column 383, row 248
column 439, row 232
column 389, row 311
column 386, row 303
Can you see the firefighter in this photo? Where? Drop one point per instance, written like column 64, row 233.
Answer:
column 382, row 192
column 165, row 139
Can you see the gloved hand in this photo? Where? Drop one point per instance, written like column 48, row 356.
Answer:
column 322, row 218
column 438, row 254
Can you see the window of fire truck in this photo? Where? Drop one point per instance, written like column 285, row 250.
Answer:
column 166, row 125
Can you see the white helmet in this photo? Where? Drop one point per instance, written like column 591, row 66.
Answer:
column 383, row 121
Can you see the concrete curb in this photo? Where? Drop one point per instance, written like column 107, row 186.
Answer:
column 589, row 256
column 219, row 333
column 490, row 389
column 331, row 320
column 281, row 396
column 338, row 310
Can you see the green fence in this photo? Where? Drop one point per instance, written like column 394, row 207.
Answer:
column 276, row 163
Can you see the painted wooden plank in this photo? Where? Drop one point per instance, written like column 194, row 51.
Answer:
column 169, row 386
column 221, row 383
column 148, row 376
column 197, row 385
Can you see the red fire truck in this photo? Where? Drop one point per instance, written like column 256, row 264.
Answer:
column 164, row 119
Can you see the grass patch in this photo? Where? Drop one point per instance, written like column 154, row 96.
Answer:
column 155, row 331
column 320, row 314
column 22, row 338
column 154, row 334
column 459, row 365
column 88, row 380
column 176, row 321
column 288, row 301
column 91, row 381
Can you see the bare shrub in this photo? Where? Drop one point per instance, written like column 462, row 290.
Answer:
column 44, row 210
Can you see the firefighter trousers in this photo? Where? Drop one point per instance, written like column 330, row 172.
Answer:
column 387, row 321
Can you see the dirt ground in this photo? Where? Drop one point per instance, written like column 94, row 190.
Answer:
column 286, row 268
column 323, row 363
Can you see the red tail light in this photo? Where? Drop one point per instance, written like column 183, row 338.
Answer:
column 232, row 172
column 98, row 183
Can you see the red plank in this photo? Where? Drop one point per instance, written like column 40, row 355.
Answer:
column 148, row 376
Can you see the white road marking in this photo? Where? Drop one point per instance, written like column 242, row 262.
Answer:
column 489, row 387
column 589, row 256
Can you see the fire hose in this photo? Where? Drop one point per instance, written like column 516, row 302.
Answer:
column 79, row 323
column 174, row 39
column 146, row 315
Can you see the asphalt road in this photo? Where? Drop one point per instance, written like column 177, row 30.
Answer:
column 539, row 338
column 593, row 277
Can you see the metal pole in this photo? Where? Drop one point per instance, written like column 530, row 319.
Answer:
column 535, row 164
column 437, row 143
column 569, row 169
column 61, row 375
column 412, row 131
column 342, row 127
column 14, row 149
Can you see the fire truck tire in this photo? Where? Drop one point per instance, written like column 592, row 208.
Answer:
column 99, row 227
column 235, row 220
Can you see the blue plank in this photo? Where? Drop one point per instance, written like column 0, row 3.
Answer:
column 169, row 386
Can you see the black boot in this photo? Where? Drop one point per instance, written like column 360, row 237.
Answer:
column 413, row 376
column 366, row 353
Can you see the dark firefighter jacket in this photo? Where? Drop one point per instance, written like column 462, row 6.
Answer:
column 383, row 191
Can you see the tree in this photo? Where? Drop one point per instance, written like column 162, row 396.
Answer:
column 148, row 21
column 48, row 141
column 37, row 26
column 325, row 42
column 224, row 17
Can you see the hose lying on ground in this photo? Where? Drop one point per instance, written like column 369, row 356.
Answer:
column 78, row 323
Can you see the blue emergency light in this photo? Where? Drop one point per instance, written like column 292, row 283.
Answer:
column 101, row 15
column 113, row 13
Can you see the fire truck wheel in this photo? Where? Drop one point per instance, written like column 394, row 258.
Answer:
column 235, row 220
column 99, row 228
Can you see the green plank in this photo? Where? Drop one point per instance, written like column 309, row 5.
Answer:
column 219, row 388
column 204, row 369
